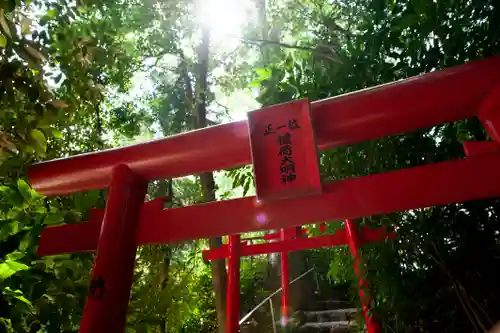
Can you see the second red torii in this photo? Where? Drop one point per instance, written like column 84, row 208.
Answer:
column 367, row 235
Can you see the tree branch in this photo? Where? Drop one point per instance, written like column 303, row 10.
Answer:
column 212, row 123
column 319, row 50
column 189, row 95
column 222, row 106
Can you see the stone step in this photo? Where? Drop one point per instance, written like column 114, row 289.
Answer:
column 301, row 318
column 329, row 315
column 329, row 305
column 328, row 327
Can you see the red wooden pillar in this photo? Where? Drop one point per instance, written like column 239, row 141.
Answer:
column 372, row 324
column 106, row 305
column 285, row 285
column 233, row 286
column 489, row 114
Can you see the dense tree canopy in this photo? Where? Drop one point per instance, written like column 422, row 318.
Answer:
column 87, row 75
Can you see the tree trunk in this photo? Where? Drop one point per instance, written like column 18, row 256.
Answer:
column 219, row 276
column 164, row 189
column 273, row 269
column 264, row 31
column 164, row 281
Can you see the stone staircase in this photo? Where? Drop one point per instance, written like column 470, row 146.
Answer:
column 323, row 317
column 331, row 316
column 329, row 311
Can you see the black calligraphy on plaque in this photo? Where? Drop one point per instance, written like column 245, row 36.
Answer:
column 269, row 130
column 285, row 139
column 287, row 165
column 292, row 124
column 285, row 150
column 96, row 289
column 288, row 177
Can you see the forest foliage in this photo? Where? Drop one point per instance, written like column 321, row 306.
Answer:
column 69, row 84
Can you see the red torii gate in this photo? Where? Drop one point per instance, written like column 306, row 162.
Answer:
column 292, row 239
column 453, row 94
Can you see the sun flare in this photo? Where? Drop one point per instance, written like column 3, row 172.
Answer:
column 224, row 17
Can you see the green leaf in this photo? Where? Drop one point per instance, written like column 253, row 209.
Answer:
column 4, row 24
column 59, row 104
column 12, row 242
column 10, row 267
column 24, row 300
column 25, row 26
column 6, row 142
column 4, row 222
column 25, row 243
column 264, row 73
column 57, row 134
column 38, row 136
column 24, row 189
column 236, row 180
column 3, row 41
column 7, row 324
column 32, row 62
column 246, row 188
column 17, row 294
column 40, row 210
column 82, row 9
column 52, row 13
column 15, row 256
column 55, row 218
column 6, row 231
column 49, row 298
column 254, row 84
column 40, row 140
column 35, row 54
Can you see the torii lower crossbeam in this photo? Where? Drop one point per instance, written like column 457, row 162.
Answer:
column 460, row 180
column 366, row 235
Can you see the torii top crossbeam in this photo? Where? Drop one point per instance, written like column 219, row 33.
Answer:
column 399, row 107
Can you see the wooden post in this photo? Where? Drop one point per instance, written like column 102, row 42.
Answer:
column 106, row 306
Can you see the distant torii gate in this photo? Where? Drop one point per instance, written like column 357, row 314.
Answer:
column 292, row 239
column 282, row 148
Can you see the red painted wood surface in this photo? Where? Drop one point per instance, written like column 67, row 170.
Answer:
column 418, row 102
column 302, row 232
column 284, row 153
column 367, row 235
column 106, row 306
column 354, row 241
column 489, row 113
column 285, row 283
column 431, row 185
column 56, row 239
column 233, row 286
column 473, row 148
